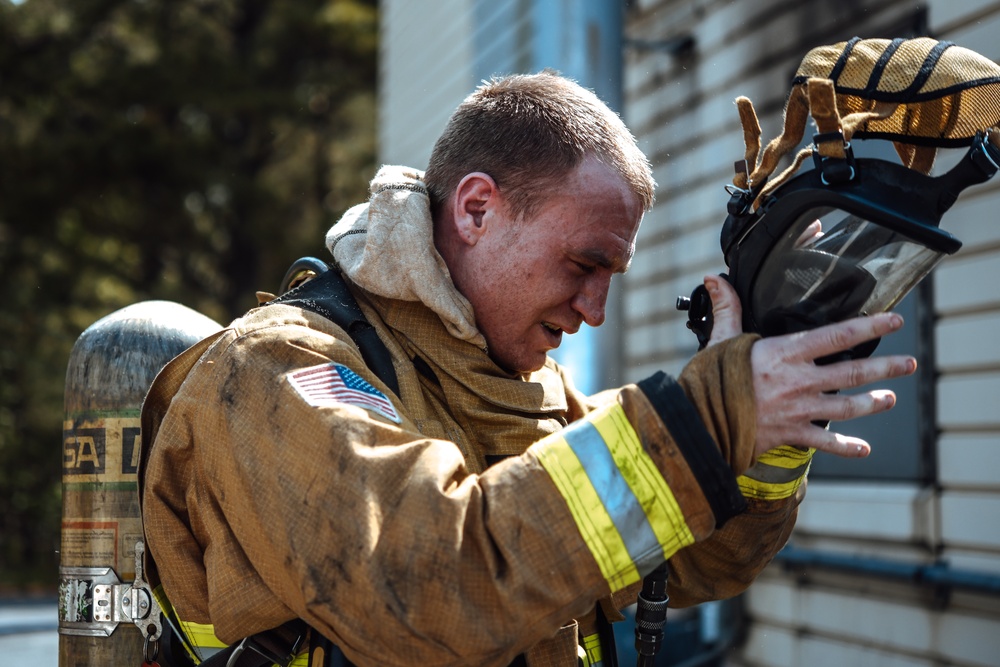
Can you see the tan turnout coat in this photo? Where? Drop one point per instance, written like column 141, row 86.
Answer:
column 388, row 531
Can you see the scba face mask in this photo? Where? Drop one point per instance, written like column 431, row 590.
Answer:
column 853, row 236
column 879, row 236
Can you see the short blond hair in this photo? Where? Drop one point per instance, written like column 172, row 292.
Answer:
column 528, row 131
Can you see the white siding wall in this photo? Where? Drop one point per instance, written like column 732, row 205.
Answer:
column 425, row 71
column 683, row 114
column 967, row 349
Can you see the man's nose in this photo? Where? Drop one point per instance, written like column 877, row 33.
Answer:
column 591, row 300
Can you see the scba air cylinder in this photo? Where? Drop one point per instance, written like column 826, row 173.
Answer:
column 112, row 365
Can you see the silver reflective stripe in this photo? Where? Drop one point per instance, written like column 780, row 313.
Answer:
column 769, row 474
column 615, row 494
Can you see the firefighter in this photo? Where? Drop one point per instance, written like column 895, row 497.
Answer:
column 476, row 509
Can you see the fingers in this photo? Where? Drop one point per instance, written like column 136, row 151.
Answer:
column 845, row 446
column 793, row 393
column 859, row 405
column 727, row 314
column 838, row 444
column 811, row 233
column 859, row 372
column 842, row 407
column 832, row 338
column 796, row 424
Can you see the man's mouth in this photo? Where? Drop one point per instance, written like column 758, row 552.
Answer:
column 553, row 332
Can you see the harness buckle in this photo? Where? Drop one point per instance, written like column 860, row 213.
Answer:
column 984, row 155
column 834, row 171
column 270, row 645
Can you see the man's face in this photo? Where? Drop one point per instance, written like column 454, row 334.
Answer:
column 541, row 277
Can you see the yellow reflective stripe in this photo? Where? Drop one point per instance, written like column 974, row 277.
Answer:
column 777, row 474
column 593, row 521
column 651, row 491
column 202, row 635
column 626, row 513
column 170, row 616
column 592, row 647
column 161, row 599
column 786, row 456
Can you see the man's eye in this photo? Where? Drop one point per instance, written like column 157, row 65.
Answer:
column 585, row 268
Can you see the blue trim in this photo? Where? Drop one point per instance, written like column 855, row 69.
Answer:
column 938, row 574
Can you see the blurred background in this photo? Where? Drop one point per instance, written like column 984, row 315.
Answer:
column 189, row 150
column 186, row 151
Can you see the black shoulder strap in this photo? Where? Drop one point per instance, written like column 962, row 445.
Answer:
column 277, row 646
column 329, row 296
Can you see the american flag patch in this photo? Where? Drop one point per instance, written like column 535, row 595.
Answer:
column 332, row 384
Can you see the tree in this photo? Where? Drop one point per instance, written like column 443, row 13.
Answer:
column 185, row 150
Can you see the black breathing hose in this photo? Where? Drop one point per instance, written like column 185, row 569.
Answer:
column 651, row 616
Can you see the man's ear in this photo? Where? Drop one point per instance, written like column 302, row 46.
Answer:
column 475, row 197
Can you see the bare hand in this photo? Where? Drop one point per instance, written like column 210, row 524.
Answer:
column 727, row 314
column 792, row 392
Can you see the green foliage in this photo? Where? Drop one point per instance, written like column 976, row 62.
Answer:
column 185, row 150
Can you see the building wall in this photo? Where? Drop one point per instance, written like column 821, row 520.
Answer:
column 680, row 105
column 421, row 80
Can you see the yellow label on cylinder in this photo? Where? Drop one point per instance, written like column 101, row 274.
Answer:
column 101, row 449
column 101, row 521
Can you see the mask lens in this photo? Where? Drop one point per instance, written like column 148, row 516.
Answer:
column 848, row 267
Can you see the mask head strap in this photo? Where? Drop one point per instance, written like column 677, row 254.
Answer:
column 918, row 93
